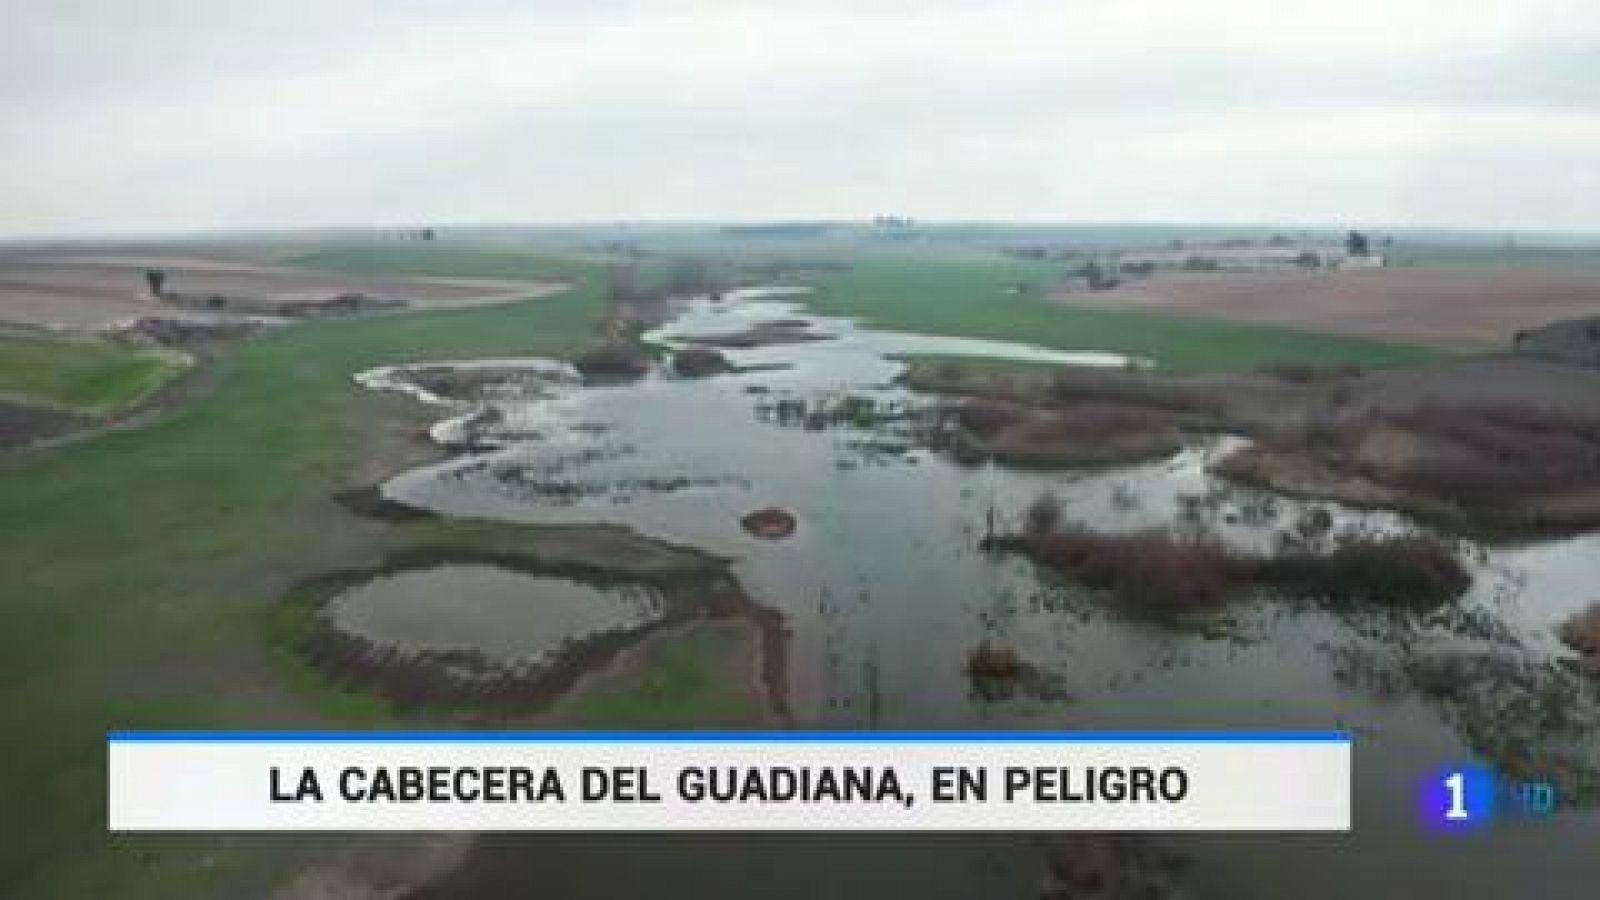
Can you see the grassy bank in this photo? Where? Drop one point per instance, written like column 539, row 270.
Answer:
column 983, row 299
column 79, row 374
column 137, row 566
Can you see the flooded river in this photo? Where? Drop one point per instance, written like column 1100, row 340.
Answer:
column 885, row 591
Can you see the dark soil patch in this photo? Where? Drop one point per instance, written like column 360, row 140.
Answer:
column 21, row 424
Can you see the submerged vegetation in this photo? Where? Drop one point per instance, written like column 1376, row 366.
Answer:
column 1162, row 573
column 148, row 551
column 1084, row 435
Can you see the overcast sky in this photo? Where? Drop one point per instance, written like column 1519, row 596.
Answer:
column 159, row 115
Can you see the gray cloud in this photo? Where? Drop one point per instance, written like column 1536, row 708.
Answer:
column 191, row 115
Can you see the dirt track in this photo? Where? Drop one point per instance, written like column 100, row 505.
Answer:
column 90, row 291
column 1451, row 307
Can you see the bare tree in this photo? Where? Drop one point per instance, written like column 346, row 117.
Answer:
column 155, row 280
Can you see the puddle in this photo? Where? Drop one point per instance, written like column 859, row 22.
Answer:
column 508, row 621
column 884, row 593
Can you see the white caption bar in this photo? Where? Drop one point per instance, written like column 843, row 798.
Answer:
column 773, row 782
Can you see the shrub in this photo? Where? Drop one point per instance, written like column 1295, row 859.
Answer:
column 1088, row 435
column 1155, row 572
column 994, row 660
column 1411, row 571
column 986, row 416
column 696, row 361
column 1483, row 459
column 1043, row 515
column 1162, row 573
column 616, row 359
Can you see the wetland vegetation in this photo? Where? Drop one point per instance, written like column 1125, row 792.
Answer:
column 866, row 613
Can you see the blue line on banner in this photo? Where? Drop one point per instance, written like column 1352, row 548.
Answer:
column 731, row 737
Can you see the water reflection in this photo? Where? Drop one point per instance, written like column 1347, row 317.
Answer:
column 885, row 592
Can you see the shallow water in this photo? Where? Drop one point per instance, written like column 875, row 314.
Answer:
column 512, row 619
column 885, row 592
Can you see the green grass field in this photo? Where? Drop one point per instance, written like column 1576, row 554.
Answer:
column 686, row 685
column 971, row 298
column 79, row 374
column 139, row 565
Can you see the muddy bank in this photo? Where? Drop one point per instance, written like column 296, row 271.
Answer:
column 368, row 502
column 396, row 436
